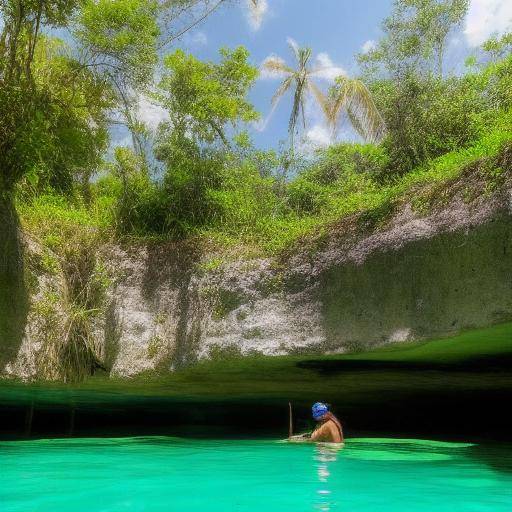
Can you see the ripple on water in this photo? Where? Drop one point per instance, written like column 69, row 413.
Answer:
column 170, row 474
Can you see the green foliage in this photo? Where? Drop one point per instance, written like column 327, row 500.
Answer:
column 54, row 218
column 139, row 205
column 22, row 24
column 306, row 196
column 497, row 85
column 342, row 160
column 53, row 128
column 211, row 182
column 203, row 97
column 415, row 36
column 123, row 36
column 428, row 116
column 499, row 47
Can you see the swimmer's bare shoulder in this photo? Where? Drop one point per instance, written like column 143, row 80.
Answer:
column 327, row 433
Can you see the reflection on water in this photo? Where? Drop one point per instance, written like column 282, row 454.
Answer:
column 161, row 474
column 324, row 455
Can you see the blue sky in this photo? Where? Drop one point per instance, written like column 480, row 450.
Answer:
column 336, row 30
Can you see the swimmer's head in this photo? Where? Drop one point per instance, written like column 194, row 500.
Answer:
column 319, row 410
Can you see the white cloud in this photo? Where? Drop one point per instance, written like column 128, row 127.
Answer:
column 198, row 38
column 486, row 18
column 368, row 46
column 256, row 12
column 150, row 114
column 319, row 136
column 327, row 70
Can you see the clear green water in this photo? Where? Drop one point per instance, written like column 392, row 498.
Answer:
column 166, row 474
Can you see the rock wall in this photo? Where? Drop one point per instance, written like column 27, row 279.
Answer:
column 13, row 295
column 416, row 277
column 430, row 287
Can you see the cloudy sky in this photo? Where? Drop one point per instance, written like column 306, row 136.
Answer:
column 336, row 30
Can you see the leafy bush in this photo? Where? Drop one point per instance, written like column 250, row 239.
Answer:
column 306, row 196
column 427, row 116
column 337, row 162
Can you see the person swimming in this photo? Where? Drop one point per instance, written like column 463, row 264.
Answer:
column 329, row 429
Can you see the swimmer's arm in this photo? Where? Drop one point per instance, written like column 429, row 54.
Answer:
column 303, row 438
column 320, row 433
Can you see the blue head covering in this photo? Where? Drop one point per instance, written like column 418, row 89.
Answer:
column 319, row 409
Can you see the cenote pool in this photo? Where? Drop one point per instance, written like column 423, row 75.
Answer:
column 170, row 474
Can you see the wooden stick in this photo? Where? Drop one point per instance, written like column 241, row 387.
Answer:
column 290, row 423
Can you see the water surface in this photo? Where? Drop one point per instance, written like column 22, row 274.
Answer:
column 168, row 474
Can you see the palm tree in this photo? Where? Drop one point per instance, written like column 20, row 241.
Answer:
column 347, row 94
column 352, row 97
column 300, row 79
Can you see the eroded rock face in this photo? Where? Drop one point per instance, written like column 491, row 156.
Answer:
column 44, row 320
column 415, row 278
column 13, row 293
column 169, row 315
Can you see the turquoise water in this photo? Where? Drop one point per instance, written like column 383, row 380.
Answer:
column 173, row 475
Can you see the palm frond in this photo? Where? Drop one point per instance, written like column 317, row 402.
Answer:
column 297, row 102
column 356, row 123
column 320, row 97
column 282, row 90
column 354, row 97
column 295, row 48
column 304, row 56
column 362, row 107
column 276, row 65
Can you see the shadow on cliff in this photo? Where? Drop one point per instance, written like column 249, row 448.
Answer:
column 447, row 283
column 13, row 293
column 172, row 267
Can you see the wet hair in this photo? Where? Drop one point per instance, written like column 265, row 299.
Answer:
column 330, row 416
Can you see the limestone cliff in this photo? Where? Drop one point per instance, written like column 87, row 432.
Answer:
column 414, row 275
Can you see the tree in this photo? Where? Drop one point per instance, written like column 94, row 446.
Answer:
column 436, row 19
column 498, row 47
column 347, row 94
column 415, row 37
column 300, row 79
column 115, row 51
column 352, row 97
column 203, row 98
column 21, row 99
column 116, row 42
column 204, row 101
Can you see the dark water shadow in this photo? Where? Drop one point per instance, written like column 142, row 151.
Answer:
column 497, row 456
column 480, row 364
column 13, row 292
